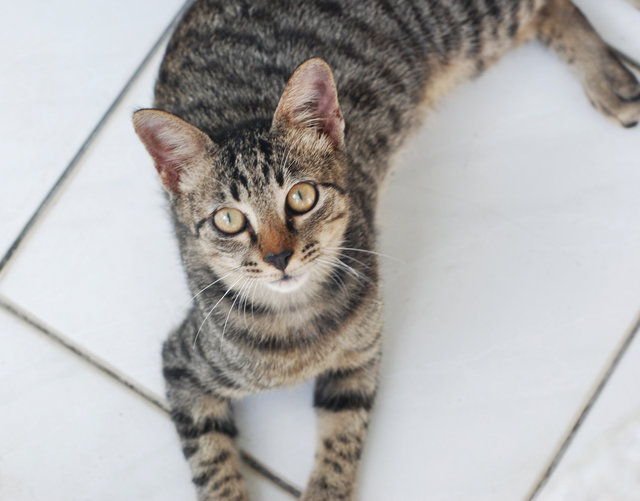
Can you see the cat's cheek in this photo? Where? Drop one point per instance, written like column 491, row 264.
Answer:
column 219, row 259
column 333, row 234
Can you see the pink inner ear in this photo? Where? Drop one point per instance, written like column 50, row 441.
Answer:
column 172, row 143
column 328, row 108
column 160, row 150
column 310, row 101
column 165, row 160
column 168, row 166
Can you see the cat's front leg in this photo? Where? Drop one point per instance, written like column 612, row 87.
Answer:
column 205, row 425
column 343, row 399
column 207, row 433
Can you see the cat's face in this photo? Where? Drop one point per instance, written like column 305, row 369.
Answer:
column 269, row 214
column 266, row 209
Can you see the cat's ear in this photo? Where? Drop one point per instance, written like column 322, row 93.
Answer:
column 177, row 147
column 310, row 102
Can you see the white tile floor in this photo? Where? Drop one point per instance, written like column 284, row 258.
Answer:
column 602, row 462
column 62, row 65
column 513, row 221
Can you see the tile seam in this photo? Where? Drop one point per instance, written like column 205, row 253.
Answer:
column 146, row 394
column 75, row 161
column 586, row 410
column 632, row 64
column 81, row 352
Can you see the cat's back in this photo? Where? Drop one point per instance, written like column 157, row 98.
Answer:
column 228, row 61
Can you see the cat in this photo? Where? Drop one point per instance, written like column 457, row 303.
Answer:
column 274, row 127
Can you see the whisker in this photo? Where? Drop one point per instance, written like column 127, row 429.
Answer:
column 245, row 299
column 213, row 283
column 211, row 310
column 242, row 297
column 253, row 297
column 349, row 269
column 368, row 252
column 224, row 328
column 353, row 259
column 283, row 165
column 329, row 269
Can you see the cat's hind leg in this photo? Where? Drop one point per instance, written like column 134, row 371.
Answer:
column 611, row 88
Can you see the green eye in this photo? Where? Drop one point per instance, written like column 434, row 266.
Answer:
column 229, row 220
column 302, row 198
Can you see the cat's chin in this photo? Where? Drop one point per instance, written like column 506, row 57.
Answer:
column 287, row 283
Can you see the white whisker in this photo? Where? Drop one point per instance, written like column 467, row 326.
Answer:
column 283, row 165
column 368, row 252
column 347, row 268
column 211, row 310
column 328, row 268
column 253, row 297
column 213, row 283
column 244, row 300
column 353, row 259
column 224, row 328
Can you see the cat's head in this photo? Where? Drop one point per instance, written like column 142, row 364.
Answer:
column 266, row 207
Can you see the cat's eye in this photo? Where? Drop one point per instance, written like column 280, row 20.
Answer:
column 302, row 198
column 229, row 220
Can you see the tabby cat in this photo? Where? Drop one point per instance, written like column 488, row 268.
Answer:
column 273, row 176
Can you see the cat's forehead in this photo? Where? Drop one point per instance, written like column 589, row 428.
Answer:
column 257, row 164
column 251, row 165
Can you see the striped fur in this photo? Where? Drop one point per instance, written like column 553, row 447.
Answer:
column 248, row 131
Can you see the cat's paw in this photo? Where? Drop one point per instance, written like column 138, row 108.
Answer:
column 318, row 496
column 614, row 90
column 319, row 492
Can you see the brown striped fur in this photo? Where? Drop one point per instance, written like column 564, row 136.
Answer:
column 238, row 130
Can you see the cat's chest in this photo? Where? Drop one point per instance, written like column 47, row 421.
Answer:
column 297, row 351
column 295, row 355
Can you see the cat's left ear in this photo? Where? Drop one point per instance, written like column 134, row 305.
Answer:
column 178, row 148
column 310, row 103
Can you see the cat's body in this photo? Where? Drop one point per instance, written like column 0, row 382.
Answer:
column 274, row 201
column 387, row 58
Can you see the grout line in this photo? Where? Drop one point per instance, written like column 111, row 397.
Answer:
column 81, row 352
column 595, row 395
column 259, row 468
column 132, row 385
column 75, row 161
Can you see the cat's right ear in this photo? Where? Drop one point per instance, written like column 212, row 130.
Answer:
column 309, row 102
column 177, row 147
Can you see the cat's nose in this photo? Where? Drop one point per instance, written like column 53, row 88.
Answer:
column 279, row 260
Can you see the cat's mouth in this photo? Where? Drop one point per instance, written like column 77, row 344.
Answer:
column 287, row 283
